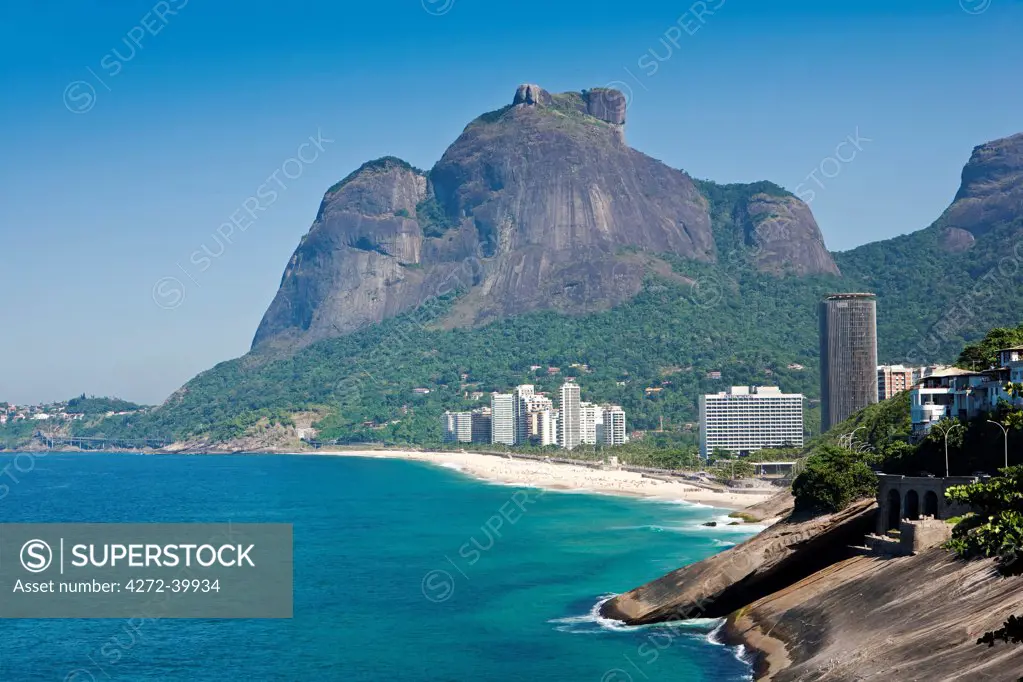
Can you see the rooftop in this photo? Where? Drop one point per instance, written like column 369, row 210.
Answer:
column 950, row 372
column 839, row 297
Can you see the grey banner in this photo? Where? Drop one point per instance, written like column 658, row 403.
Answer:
column 113, row 570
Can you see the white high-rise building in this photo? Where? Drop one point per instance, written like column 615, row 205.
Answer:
column 590, row 416
column 548, row 427
column 613, row 426
column 749, row 418
column 457, row 427
column 502, row 418
column 569, row 422
column 522, row 394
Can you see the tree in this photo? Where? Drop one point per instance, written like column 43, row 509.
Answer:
column 832, row 479
column 997, row 529
column 983, row 354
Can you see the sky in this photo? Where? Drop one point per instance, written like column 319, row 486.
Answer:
column 132, row 131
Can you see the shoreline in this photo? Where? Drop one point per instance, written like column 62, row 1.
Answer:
column 560, row 476
column 529, row 473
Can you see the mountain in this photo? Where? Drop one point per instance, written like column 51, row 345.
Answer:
column 538, row 205
column 945, row 285
column 540, row 239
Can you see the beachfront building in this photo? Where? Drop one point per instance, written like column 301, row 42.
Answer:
column 522, row 394
column 529, row 409
column 745, row 419
column 590, row 416
column 612, row 427
column 548, row 428
column 848, row 352
column 457, row 427
column 569, row 422
column 502, row 418
column 481, row 425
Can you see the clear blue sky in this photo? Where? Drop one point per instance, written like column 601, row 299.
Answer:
column 186, row 116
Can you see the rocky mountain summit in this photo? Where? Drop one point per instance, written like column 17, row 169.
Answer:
column 992, row 187
column 538, row 205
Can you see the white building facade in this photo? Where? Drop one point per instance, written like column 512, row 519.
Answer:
column 502, row 418
column 613, row 426
column 570, row 418
column 457, row 427
column 590, row 416
column 745, row 419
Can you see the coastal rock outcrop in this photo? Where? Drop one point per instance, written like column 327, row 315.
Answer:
column 775, row 558
column 867, row 618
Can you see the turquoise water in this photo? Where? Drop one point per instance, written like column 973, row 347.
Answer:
column 397, row 576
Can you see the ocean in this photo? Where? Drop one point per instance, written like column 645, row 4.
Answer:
column 398, row 575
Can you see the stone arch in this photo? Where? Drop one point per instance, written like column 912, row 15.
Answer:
column 931, row 504
column 894, row 509
column 912, row 505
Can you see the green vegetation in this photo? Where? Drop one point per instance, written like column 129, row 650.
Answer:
column 93, row 406
column 1011, row 633
column 749, row 326
column 931, row 302
column 997, row 529
column 364, row 381
column 983, row 354
column 432, row 218
column 832, row 478
column 743, row 516
column 733, row 228
column 15, row 434
column 375, row 164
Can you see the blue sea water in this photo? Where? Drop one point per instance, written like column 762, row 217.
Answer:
column 397, row 576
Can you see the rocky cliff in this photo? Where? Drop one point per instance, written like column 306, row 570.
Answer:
column 718, row 585
column 991, row 192
column 868, row 618
column 538, row 205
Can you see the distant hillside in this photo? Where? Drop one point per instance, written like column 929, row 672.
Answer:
column 500, row 259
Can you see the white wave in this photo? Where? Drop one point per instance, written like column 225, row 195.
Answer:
column 452, row 465
column 694, row 505
column 723, row 543
column 590, row 623
column 727, row 524
column 649, row 527
column 714, row 636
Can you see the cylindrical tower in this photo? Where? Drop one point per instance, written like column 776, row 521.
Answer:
column 848, row 331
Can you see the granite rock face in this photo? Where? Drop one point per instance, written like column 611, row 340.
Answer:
column 991, row 192
column 740, row 575
column 786, row 237
column 870, row 618
column 538, row 205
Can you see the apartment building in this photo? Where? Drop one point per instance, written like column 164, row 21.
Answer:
column 745, row 419
column 569, row 422
column 892, row 379
column 457, row 427
column 502, row 418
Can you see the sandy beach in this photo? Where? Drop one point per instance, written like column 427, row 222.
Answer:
column 569, row 477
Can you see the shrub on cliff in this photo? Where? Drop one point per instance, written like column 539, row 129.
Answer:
column 832, row 479
column 997, row 529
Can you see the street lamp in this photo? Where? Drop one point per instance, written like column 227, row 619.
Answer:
column 1005, row 434
column 851, row 434
column 945, row 433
